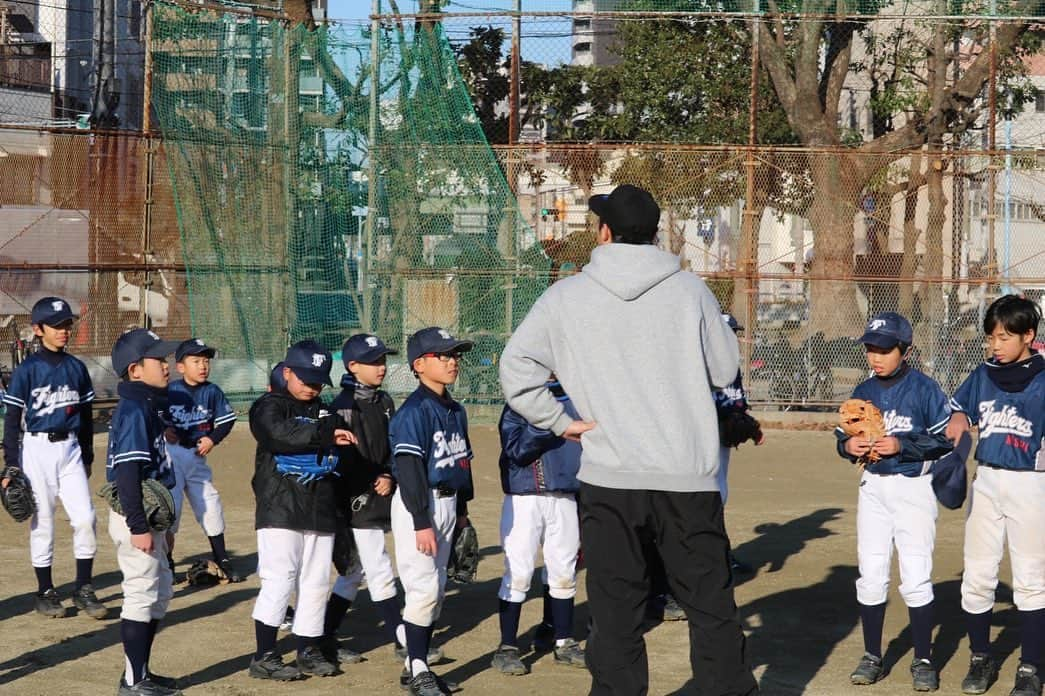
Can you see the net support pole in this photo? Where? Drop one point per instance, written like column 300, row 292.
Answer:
column 150, row 161
column 513, row 172
column 750, row 250
column 992, row 143
column 371, row 177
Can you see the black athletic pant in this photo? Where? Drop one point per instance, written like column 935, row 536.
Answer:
column 617, row 529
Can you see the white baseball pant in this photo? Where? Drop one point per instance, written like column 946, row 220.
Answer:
column 374, row 563
column 723, row 473
column 148, row 583
column 1005, row 504
column 526, row 522
column 423, row 577
column 55, row 470
column 289, row 559
column 194, row 480
column 898, row 510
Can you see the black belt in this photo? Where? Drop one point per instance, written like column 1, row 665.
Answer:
column 444, row 492
column 55, row 436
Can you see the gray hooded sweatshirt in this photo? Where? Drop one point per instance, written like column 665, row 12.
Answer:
column 638, row 344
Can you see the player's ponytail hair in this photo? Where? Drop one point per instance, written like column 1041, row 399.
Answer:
column 1016, row 314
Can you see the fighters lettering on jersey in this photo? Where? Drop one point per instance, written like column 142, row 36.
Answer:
column 186, row 418
column 1006, row 421
column 448, row 451
column 48, row 399
column 895, row 423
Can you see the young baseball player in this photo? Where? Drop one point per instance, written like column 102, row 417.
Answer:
column 539, row 480
column 896, row 504
column 48, row 432
column 1005, row 397
column 433, row 459
column 138, row 451
column 367, row 486
column 200, row 417
column 295, row 498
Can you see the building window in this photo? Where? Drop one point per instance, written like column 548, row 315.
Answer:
column 1039, row 102
column 583, row 47
column 582, row 25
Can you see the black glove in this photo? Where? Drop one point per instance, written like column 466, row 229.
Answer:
column 736, row 427
column 17, row 495
column 464, row 555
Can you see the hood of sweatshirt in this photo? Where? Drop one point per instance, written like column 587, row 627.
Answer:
column 630, row 270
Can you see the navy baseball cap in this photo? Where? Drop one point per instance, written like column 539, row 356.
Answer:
column 276, row 381
column 51, row 311
column 434, row 340
column 365, row 348
column 193, row 346
column 310, row 362
column 137, row 344
column 732, row 321
column 631, row 213
column 887, row 330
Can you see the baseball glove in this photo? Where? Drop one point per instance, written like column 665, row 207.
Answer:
column 156, row 500
column 206, row 574
column 464, row 555
column 17, row 497
column 736, row 427
column 859, row 417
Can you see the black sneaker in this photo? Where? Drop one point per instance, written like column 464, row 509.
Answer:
column 165, row 682
column 146, row 687
column 924, row 676
column 868, row 671
column 48, row 604
column 427, row 684
column 570, row 653
column 506, row 661
column 230, row 571
column 672, row 610
column 87, row 601
column 983, row 670
column 1027, row 681
column 272, row 666
column 544, row 638
column 334, row 652
column 312, row 661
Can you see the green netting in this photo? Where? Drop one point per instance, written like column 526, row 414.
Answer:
column 269, row 134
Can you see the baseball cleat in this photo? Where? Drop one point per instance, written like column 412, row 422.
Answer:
column 983, row 670
column 672, row 610
column 87, row 601
column 1027, row 681
column 146, row 687
column 427, row 684
column 570, row 653
column 48, row 604
column 311, row 661
column 271, row 666
column 868, row 671
column 506, row 661
column 924, row 676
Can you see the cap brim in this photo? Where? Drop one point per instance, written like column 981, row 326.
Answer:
column 207, row 352
column 461, row 346
column 161, row 349
column 310, row 375
column 878, row 340
column 597, row 204
column 60, row 319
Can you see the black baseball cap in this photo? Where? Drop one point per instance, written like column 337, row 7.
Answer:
column 887, row 330
column 434, row 340
column 193, row 346
column 630, row 212
column 51, row 311
column 365, row 348
column 137, row 344
column 310, row 362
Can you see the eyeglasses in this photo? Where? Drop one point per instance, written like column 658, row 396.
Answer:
column 444, row 357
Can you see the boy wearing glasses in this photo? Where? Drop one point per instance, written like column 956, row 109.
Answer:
column 432, row 464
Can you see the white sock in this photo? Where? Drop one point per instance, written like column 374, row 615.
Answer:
column 401, row 634
column 417, row 667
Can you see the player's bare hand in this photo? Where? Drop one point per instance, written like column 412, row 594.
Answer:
column 761, row 439
column 958, row 425
column 344, row 437
column 857, row 446
column 577, row 428
column 170, row 435
column 204, row 445
column 384, row 485
column 142, row 542
column 887, row 446
column 4, row 482
column 426, row 543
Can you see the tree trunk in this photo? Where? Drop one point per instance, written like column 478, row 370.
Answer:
column 932, row 301
column 909, row 263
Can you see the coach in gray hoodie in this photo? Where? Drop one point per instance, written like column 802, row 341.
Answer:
column 638, row 344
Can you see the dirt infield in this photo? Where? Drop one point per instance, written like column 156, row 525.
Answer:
column 791, row 514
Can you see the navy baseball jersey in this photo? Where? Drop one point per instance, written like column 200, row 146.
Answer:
column 136, row 436
column 912, row 406
column 195, row 411
column 437, row 432
column 731, row 397
column 49, row 396
column 1011, row 423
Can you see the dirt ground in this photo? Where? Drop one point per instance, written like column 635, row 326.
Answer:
column 791, row 514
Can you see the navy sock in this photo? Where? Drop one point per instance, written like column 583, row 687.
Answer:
column 417, row 641
column 979, row 628
column 562, row 617
column 922, row 630
column 872, row 619
column 305, row 642
column 508, row 614
column 217, row 547
column 135, row 637
column 1032, row 634
column 337, row 607
column 43, row 578
column 388, row 610
column 154, row 626
column 84, row 571
column 266, row 638
column 547, row 619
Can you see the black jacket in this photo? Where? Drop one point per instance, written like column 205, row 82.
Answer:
column 368, row 419
column 283, row 425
